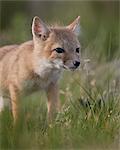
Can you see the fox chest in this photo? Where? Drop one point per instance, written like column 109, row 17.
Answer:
column 40, row 82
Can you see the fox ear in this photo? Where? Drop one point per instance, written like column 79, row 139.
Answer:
column 74, row 26
column 40, row 29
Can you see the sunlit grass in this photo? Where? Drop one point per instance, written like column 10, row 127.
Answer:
column 90, row 97
column 90, row 118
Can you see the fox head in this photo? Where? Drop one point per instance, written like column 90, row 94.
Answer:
column 57, row 45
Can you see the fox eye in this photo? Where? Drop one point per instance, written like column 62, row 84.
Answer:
column 59, row 50
column 77, row 50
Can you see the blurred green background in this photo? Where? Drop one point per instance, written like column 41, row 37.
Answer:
column 90, row 115
column 99, row 23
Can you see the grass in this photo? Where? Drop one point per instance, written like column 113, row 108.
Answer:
column 89, row 118
column 90, row 97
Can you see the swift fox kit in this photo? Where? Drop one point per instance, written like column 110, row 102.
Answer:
column 38, row 64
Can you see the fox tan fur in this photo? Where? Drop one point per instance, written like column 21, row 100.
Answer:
column 37, row 64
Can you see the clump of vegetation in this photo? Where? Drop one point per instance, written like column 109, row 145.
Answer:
column 90, row 118
column 90, row 97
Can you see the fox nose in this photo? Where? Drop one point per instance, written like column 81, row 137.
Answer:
column 76, row 63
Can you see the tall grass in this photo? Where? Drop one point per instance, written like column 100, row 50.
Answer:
column 89, row 119
column 90, row 97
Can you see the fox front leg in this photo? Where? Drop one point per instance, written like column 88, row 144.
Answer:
column 14, row 102
column 53, row 103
